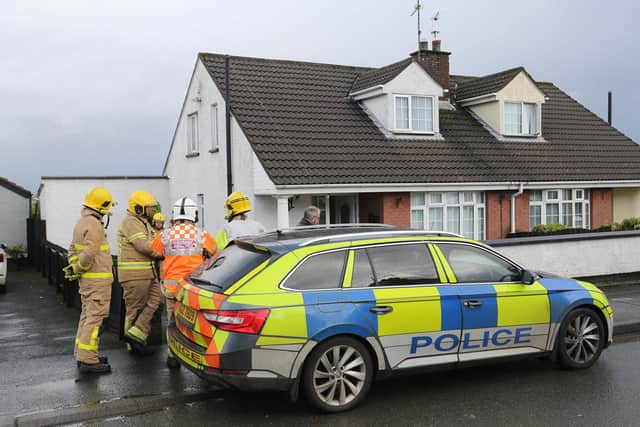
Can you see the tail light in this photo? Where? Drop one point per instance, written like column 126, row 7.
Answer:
column 244, row 321
column 1, row 257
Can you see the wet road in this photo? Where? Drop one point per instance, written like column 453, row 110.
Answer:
column 523, row 393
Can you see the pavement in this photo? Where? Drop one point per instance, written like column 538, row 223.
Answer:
column 40, row 385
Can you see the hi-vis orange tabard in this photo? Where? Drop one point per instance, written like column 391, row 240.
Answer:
column 182, row 247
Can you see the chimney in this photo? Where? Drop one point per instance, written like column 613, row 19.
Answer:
column 436, row 62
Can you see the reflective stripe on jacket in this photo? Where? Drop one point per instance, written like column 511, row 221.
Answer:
column 90, row 250
column 135, row 255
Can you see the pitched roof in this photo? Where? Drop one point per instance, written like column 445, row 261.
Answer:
column 305, row 130
column 4, row 182
column 492, row 83
column 379, row 76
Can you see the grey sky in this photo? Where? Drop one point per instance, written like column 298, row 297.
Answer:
column 95, row 88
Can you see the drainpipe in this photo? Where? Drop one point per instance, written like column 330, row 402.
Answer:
column 227, row 122
column 513, row 207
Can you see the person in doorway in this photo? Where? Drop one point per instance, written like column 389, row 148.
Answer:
column 90, row 262
column 184, row 247
column 238, row 223
column 311, row 216
column 136, row 272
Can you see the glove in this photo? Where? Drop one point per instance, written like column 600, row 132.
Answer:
column 72, row 272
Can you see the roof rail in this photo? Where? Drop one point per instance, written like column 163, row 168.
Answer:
column 390, row 232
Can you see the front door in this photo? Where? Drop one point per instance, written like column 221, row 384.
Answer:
column 343, row 209
column 501, row 316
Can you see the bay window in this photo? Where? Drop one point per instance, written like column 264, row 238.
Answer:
column 452, row 211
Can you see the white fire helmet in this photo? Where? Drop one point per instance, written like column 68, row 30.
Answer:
column 185, row 208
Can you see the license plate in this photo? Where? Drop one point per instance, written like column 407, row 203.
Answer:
column 187, row 313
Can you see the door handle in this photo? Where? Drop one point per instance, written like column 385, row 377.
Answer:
column 472, row 303
column 383, row 309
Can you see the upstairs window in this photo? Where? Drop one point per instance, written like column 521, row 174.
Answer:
column 414, row 113
column 192, row 133
column 214, row 129
column 520, row 118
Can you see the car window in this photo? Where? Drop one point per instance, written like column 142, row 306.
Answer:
column 474, row 265
column 362, row 276
column 234, row 262
column 323, row 271
column 397, row 265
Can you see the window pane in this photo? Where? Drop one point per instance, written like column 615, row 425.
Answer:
column 587, row 216
column 512, row 118
column 320, row 203
column 435, row 219
column 567, row 194
column 421, row 113
column 435, row 197
column 578, row 207
column 535, row 195
column 453, row 198
column 552, row 195
column 480, row 223
column 480, row 197
column 453, row 219
column 417, row 219
column 322, row 271
column 553, row 213
column 535, row 216
column 474, row 265
column 403, row 265
column 214, row 127
column 362, row 275
column 192, row 133
column 579, row 194
column 467, row 197
column 402, row 112
column 417, row 199
column 234, row 263
column 467, row 222
column 530, row 119
column 567, row 214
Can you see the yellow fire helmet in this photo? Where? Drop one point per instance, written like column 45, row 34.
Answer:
column 139, row 200
column 99, row 199
column 237, row 203
column 158, row 217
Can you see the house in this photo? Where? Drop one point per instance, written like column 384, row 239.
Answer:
column 16, row 206
column 407, row 144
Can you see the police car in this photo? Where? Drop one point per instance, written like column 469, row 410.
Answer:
column 326, row 311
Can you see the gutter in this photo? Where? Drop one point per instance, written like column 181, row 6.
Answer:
column 513, row 206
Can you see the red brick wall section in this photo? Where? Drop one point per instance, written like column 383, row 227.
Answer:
column 396, row 209
column 498, row 206
column 601, row 207
column 370, row 207
column 522, row 212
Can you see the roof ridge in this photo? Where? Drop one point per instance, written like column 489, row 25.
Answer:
column 289, row 61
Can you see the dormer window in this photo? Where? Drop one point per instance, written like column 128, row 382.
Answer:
column 414, row 113
column 520, row 118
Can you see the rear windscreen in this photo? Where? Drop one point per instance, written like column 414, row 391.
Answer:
column 229, row 267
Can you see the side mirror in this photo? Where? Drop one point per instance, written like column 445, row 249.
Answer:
column 528, row 277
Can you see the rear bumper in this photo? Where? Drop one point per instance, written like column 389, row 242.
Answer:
column 191, row 355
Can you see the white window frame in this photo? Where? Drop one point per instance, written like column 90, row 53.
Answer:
column 579, row 196
column 522, row 118
column 215, row 135
column 434, row 106
column 192, row 140
column 478, row 202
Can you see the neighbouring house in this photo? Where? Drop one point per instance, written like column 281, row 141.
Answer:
column 407, row 144
column 15, row 208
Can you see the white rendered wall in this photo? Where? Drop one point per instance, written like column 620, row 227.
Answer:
column 14, row 211
column 626, row 203
column 576, row 258
column 61, row 203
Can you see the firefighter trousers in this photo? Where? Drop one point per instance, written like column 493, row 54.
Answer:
column 95, row 308
column 141, row 298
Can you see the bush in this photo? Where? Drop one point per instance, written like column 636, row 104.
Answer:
column 549, row 228
column 16, row 251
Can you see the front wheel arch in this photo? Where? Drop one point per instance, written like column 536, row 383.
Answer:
column 572, row 340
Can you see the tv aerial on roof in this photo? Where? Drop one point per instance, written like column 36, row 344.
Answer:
column 416, row 10
column 435, row 18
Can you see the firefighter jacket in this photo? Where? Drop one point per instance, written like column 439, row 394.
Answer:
column 90, row 250
column 237, row 228
column 135, row 255
column 182, row 247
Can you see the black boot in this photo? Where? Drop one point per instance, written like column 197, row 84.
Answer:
column 136, row 347
column 94, row 368
column 101, row 359
column 172, row 363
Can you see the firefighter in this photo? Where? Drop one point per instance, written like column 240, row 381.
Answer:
column 184, row 248
column 158, row 222
column 136, row 272
column 90, row 262
column 237, row 206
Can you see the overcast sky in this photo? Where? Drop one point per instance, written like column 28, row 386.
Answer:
column 95, row 88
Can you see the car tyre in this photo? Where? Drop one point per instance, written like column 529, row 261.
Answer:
column 337, row 374
column 581, row 339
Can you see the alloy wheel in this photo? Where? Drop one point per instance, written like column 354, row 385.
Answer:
column 582, row 339
column 339, row 375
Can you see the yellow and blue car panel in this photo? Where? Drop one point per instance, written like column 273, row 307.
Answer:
column 424, row 325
